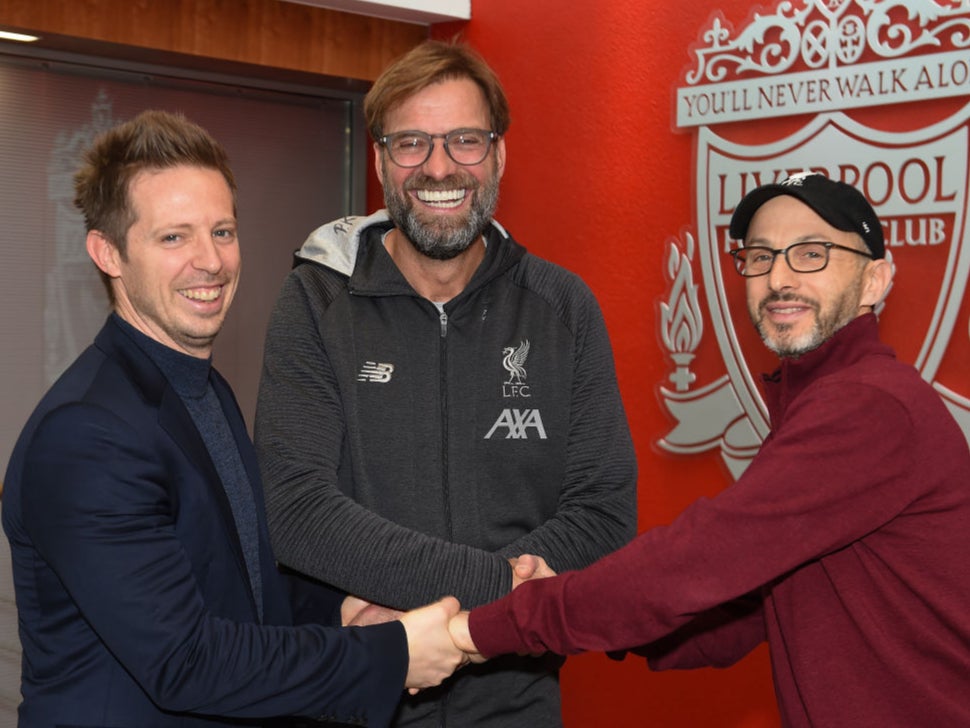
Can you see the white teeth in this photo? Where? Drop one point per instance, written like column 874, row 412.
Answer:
column 441, row 198
column 202, row 294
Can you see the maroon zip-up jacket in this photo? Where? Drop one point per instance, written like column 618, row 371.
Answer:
column 845, row 545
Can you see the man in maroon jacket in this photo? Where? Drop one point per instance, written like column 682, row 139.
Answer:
column 844, row 543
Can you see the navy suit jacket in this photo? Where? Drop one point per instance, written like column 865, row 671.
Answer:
column 135, row 608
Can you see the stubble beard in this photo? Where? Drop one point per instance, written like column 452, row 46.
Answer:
column 443, row 238
column 781, row 340
column 193, row 334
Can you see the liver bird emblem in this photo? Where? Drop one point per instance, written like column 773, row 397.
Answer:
column 514, row 362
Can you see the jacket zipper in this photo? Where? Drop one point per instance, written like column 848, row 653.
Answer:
column 443, row 384
column 442, row 708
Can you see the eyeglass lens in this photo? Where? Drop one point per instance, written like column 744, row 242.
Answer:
column 413, row 148
column 801, row 257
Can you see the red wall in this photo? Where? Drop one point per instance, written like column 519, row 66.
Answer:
column 598, row 180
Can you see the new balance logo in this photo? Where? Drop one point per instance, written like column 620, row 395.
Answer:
column 517, row 424
column 373, row 371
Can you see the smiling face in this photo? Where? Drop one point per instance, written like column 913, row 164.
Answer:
column 797, row 312
column 442, row 207
column 181, row 263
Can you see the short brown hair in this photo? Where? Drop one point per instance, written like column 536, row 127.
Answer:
column 153, row 140
column 427, row 64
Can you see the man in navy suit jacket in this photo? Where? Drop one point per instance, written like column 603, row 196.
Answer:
column 146, row 589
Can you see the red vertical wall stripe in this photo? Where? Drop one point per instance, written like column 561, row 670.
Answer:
column 598, row 180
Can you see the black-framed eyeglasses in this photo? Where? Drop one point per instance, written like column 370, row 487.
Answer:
column 413, row 148
column 808, row 257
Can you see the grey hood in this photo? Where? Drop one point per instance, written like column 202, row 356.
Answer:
column 335, row 244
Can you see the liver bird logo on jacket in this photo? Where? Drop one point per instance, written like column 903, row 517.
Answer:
column 513, row 360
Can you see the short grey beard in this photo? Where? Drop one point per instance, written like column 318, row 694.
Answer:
column 444, row 243
column 822, row 330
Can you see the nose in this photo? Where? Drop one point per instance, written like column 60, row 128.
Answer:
column 781, row 275
column 439, row 165
column 208, row 255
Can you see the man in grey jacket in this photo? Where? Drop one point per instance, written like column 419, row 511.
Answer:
column 437, row 402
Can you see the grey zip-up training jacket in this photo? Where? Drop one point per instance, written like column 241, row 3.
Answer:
column 409, row 452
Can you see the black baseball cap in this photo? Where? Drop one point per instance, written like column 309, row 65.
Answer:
column 841, row 205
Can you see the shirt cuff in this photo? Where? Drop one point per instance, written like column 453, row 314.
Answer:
column 493, row 629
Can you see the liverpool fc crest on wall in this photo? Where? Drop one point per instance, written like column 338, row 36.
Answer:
column 852, row 69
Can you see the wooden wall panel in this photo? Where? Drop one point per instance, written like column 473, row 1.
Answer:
column 269, row 33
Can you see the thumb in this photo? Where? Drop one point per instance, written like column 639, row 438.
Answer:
column 451, row 606
column 526, row 565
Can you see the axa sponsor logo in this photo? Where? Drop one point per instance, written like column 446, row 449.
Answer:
column 517, row 424
column 374, row 371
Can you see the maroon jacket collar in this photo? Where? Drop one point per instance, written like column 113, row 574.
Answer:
column 854, row 341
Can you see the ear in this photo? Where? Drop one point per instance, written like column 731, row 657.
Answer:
column 500, row 156
column 378, row 158
column 876, row 279
column 104, row 253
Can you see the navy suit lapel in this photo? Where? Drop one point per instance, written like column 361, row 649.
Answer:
column 174, row 418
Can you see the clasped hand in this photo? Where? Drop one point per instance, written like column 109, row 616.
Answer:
column 439, row 641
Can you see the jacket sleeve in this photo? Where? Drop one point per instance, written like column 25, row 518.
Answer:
column 316, row 528
column 717, row 638
column 791, row 507
column 311, row 601
column 597, row 510
column 98, row 508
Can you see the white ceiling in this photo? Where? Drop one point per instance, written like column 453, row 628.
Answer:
column 424, row 12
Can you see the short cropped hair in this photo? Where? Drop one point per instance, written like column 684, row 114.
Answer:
column 153, row 140
column 425, row 65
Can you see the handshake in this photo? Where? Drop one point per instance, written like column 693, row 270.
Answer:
column 438, row 638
